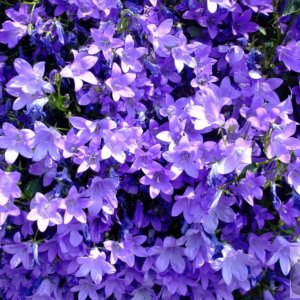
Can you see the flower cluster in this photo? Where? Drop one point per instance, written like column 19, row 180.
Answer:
column 149, row 149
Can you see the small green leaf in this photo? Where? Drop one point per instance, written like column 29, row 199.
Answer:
column 262, row 30
column 32, row 187
column 292, row 6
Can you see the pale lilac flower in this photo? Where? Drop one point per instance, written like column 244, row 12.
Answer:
column 103, row 194
column 79, row 69
column 282, row 143
column 290, row 55
column 9, row 209
column 282, row 253
column 233, row 264
column 184, row 156
column 237, row 156
column 182, row 53
column 16, row 142
column 73, row 205
column 21, row 252
column 104, row 40
column 11, row 33
column 170, row 253
column 249, row 187
column 161, row 38
column 119, row 83
column 130, row 55
column 159, row 181
column 47, row 141
column 127, row 249
column 86, row 288
column 44, row 211
column 95, row 264
column 9, row 186
column 259, row 245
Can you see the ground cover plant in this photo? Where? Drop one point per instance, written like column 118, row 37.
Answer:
column 149, row 149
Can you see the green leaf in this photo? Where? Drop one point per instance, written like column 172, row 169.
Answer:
column 32, row 187
column 292, row 6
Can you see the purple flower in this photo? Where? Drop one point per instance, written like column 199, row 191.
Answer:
column 9, row 186
column 21, row 251
column 73, row 205
column 130, row 55
column 290, row 55
column 182, row 54
column 104, row 40
column 47, row 141
column 16, row 142
column 249, row 187
column 170, row 253
column 161, row 38
column 95, row 264
column 282, row 253
column 103, row 194
column 29, row 85
column 119, row 83
column 127, row 249
column 259, row 244
column 241, row 23
column 11, row 33
column 184, row 156
column 9, row 209
column 237, row 156
column 234, row 264
column 86, row 288
column 159, row 180
column 44, row 211
column 261, row 214
column 282, row 143
column 79, row 69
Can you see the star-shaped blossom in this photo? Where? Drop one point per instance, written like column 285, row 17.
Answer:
column 290, row 55
column 16, row 142
column 9, row 186
column 127, row 249
column 11, row 33
column 282, row 253
column 9, row 209
column 103, row 194
column 79, row 69
column 86, row 288
column 282, row 143
column 47, row 141
column 249, row 187
column 44, row 211
column 29, row 85
column 73, row 205
column 21, row 252
column 170, row 253
column 184, row 157
column 95, row 264
column 161, row 38
column 237, row 156
column 241, row 23
column 182, row 54
column 119, row 83
column 104, row 40
column 158, row 179
column 130, row 55
column 234, row 264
